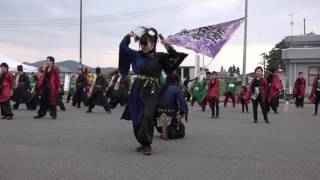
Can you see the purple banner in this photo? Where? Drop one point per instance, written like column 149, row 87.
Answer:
column 206, row 40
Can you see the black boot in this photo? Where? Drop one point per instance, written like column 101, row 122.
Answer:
column 9, row 117
column 147, row 150
column 37, row 117
column 139, row 149
column 89, row 110
column 212, row 115
column 15, row 106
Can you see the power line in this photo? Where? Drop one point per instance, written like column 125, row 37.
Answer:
column 110, row 18
column 101, row 16
column 86, row 22
column 100, row 20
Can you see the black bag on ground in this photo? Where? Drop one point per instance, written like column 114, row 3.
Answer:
column 176, row 131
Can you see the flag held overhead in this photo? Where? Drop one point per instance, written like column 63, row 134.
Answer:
column 206, row 40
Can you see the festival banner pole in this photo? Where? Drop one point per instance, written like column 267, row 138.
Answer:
column 244, row 78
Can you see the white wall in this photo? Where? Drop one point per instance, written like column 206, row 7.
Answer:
column 300, row 68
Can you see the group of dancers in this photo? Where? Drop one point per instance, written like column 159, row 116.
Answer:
column 263, row 91
column 47, row 92
column 150, row 103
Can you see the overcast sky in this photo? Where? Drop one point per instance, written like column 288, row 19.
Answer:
column 268, row 23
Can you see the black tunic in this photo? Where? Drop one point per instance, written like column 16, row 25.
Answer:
column 22, row 92
column 121, row 94
column 81, row 82
column 144, row 94
column 97, row 97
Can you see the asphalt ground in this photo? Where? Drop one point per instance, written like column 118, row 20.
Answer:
column 99, row 146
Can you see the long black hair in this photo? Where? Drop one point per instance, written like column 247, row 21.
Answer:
column 148, row 34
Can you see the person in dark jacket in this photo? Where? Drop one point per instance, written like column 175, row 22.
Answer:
column 22, row 89
column 98, row 93
column 35, row 94
column 299, row 90
column 257, row 93
column 118, row 91
column 171, row 109
column 60, row 100
column 315, row 93
column 273, row 91
column 49, row 86
column 81, row 88
column 148, row 64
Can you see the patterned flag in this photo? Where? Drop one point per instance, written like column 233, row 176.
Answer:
column 206, row 40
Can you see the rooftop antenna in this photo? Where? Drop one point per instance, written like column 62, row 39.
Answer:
column 291, row 22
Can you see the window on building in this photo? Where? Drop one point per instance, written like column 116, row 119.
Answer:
column 312, row 73
column 186, row 73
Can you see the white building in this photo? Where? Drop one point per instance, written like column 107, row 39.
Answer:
column 303, row 55
column 190, row 67
column 186, row 71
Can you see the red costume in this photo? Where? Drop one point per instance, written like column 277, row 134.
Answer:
column 257, row 92
column 213, row 96
column 250, row 90
column 243, row 95
column 275, row 88
column 7, row 87
column 313, row 95
column 6, row 91
column 299, row 89
column 55, row 85
column 214, row 89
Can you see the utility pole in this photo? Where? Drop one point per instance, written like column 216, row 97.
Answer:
column 80, row 48
column 244, row 78
column 304, row 26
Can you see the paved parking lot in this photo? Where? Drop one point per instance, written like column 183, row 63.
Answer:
column 99, row 146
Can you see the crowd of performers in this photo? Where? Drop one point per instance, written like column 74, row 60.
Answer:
column 43, row 91
column 150, row 101
column 263, row 90
column 152, row 104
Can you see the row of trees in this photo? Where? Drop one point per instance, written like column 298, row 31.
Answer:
column 272, row 59
column 232, row 70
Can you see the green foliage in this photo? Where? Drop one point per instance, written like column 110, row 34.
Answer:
column 273, row 57
column 234, row 70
